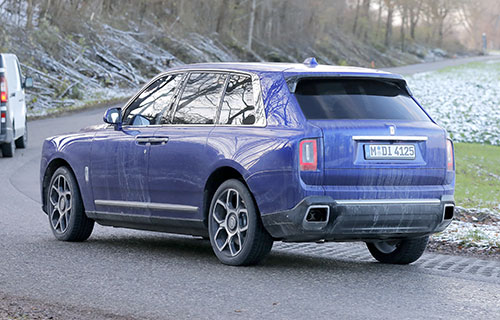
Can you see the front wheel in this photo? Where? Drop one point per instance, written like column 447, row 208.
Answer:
column 236, row 231
column 67, row 218
column 398, row 251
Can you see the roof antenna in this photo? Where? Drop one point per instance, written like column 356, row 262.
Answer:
column 311, row 62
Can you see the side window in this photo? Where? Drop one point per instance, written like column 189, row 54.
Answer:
column 201, row 98
column 148, row 107
column 238, row 106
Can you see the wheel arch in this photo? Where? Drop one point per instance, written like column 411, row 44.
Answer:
column 53, row 165
column 216, row 178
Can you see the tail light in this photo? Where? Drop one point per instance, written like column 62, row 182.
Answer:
column 308, row 155
column 3, row 101
column 3, row 89
column 449, row 155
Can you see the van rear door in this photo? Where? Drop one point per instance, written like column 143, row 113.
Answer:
column 16, row 94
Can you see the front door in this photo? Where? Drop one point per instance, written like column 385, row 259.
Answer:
column 120, row 158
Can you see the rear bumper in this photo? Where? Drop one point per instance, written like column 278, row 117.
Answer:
column 345, row 220
column 6, row 135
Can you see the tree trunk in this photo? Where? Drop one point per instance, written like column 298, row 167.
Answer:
column 388, row 27
column 220, row 16
column 414, row 17
column 403, row 22
column 366, row 19
column 251, row 25
column 355, row 26
column 29, row 15
column 44, row 10
column 379, row 18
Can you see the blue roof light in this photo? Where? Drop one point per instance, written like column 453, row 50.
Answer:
column 311, row 62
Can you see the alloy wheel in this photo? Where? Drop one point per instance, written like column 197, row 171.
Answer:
column 60, row 197
column 386, row 246
column 230, row 217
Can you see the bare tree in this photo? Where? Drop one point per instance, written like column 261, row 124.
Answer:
column 390, row 4
column 251, row 24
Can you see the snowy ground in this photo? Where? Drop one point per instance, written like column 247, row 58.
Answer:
column 476, row 230
column 466, row 101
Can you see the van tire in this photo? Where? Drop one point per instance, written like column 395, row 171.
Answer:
column 22, row 142
column 8, row 149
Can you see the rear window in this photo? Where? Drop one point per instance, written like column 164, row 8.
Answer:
column 356, row 99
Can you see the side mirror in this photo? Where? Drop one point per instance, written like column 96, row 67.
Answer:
column 113, row 116
column 28, row 82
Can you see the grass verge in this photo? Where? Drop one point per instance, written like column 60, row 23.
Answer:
column 478, row 176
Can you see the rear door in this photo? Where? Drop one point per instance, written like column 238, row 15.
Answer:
column 374, row 133
column 179, row 166
column 120, row 158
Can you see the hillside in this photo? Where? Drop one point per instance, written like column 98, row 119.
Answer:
column 78, row 61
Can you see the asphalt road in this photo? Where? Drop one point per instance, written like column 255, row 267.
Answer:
column 431, row 66
column 153, row 275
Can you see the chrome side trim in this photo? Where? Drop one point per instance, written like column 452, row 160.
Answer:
column 390, row 138
column 433, row 202
column 146, row 205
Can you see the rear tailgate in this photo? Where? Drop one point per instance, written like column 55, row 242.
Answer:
column 374, row 133
column 365, row 153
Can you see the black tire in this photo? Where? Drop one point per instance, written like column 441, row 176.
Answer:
column 8, row 149
column 62, row 192
column 244, row 247
column 22, row 142
column 398, row 252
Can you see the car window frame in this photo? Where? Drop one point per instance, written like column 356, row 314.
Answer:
column 179, row 95
column 260, row 110
column 144, row 88
column 255, row 96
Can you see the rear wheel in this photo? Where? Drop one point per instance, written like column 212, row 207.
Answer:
column 399, row 251
column 67, row 218
column 236, row 231
column 8, row 149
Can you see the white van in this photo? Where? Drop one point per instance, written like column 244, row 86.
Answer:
column 13, row 128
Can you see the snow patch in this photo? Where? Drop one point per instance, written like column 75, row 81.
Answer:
column 465, row 101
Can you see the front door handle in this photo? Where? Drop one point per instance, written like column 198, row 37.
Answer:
column 151, row 140
column 142, row 140
column 158, row 140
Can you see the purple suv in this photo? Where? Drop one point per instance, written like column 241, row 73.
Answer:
column 250, row 153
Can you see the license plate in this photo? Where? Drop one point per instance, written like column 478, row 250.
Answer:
column 389, row 151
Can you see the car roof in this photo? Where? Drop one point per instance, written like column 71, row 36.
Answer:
column 290, row 69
